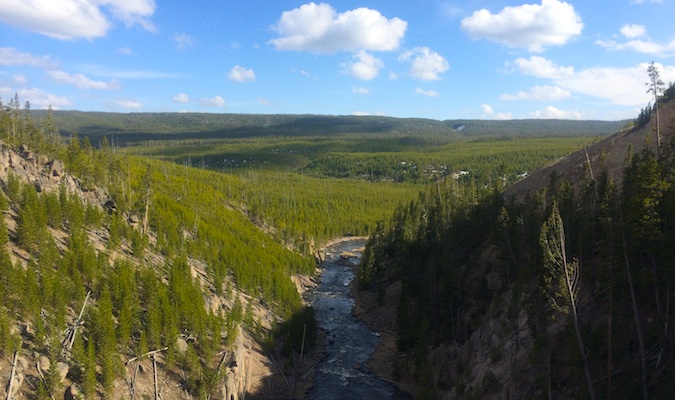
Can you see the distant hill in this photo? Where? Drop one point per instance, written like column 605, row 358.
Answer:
column 130, row 128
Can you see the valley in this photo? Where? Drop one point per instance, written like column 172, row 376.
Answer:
column 185, row 241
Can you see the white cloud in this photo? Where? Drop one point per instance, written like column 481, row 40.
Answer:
column 360, row 90
column 632, row 31
column 81, row 82
column 366, row 68
column 425, row 63
column 241, row 74
column 10, row 56
column 503, row 116
column 530, row 26
column 36, row 97
column 640, row 46
column 264, row 102
column 551, row 112
column 542, row 68
column 319, row 28
column 430, row 93
column 620, row 86
column 181, row 98
column 216, row 101
column 183, row 41
column 488, row 112
column 74, row 19
column 129, row 104
column 540, row 93
column 125, row 50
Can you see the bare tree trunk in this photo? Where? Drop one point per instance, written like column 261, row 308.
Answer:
column 10, row 385
column 154, row 375
column 636, row 314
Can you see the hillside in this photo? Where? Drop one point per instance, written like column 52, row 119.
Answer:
column 116, row 270
column 608, row 154
column 560, row 287
column 125, row 129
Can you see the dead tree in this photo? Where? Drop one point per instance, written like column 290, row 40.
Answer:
column 564, row 278
column 71, row 331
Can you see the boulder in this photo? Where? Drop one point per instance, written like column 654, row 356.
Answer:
column 63, row 370
column 44, row 364
column 181, row 345
column 56, row 169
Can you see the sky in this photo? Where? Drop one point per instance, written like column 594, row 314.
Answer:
column 436, row 59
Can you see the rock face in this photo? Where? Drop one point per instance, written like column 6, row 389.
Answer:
column 46, row 174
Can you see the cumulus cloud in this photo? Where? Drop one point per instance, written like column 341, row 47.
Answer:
column 181, row 98
column 488, row 112
column 215, row 101
column 425, row 63
column 541, row 68
column 620, row 86
column 540, row 93
column 183, row 41
column 529, row 26
column 75, row 19
column 430, row 93
column 633, row 32
column 319, row 28
column 129, row 104
column 366, row 67
column 551, row 112
column 360, row 90
column 10, row 56
column 241, row 74
column 36, row 97
column 81, row 82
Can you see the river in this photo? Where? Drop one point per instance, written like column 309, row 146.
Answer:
column 341, row 374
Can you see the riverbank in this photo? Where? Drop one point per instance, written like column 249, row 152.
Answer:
column 380, row 316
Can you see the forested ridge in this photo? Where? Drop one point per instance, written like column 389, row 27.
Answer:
column 132, row 128
column 564, row 294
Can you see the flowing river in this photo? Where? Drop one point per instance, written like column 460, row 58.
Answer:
column 341, row 374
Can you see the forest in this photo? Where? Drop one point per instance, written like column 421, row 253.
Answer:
column 159, row 240
column 580, row 272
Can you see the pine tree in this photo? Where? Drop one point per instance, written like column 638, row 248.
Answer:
column 103, row 331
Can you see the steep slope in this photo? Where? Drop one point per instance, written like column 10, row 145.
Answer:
column 82, row 282
column 609, row 153
column 556, row 290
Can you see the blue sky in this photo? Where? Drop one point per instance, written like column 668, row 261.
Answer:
column 424, row 58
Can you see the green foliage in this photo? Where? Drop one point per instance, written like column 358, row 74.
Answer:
column 298, row 333
column 607, row 232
